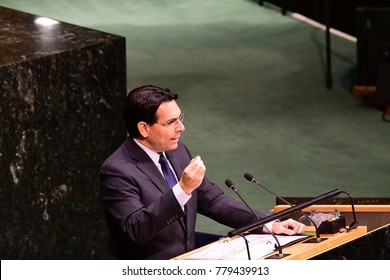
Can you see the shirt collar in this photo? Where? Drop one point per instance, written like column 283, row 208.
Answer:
column 155, row 157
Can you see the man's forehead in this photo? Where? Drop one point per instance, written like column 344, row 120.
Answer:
column 168, row 109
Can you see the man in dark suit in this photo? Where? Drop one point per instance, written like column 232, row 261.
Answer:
column 152, row 214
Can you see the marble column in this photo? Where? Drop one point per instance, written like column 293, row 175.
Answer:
column 61, row 93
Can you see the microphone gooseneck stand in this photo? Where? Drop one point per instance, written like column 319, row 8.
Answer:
column 318, row 239
column 354, row 223
column 280, row 254
column 352, row 226
column 284, row 213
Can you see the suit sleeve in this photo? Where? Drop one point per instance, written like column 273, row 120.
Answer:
column 215, row 204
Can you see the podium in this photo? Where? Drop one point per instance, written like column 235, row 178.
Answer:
column 300, row 250
column 374, row 245
column 374, row 213
column 369, row 241
column 303, row 251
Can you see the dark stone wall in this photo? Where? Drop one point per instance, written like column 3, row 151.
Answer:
column 61, row 93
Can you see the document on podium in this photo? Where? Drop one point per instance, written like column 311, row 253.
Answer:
column 259, row 245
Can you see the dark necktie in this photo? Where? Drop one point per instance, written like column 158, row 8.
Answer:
column 168, row 174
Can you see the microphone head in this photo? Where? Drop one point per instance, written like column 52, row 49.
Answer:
column 229, row 184
column 249, row 177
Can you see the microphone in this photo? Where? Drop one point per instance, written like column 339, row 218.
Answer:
column 354, row 223
column 231, row 186
column 284, row 213
column 318, row 239
column 280, row 255
column 352, row 226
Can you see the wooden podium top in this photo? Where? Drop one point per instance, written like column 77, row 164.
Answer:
column 369, row 208
column 302, row 250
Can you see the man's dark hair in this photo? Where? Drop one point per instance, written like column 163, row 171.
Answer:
column 142, row 103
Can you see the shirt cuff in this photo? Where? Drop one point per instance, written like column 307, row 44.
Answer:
column 180, row 195
column 269, row 225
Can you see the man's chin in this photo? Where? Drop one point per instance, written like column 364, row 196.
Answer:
column 173, row 146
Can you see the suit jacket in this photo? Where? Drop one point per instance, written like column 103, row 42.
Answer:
column 144, row 218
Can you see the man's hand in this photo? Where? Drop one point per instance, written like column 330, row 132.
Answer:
column 192, row 175
column 289, row 227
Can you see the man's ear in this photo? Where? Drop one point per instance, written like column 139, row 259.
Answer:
column 143, row 129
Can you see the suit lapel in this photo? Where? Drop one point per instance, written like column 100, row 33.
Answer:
column 147, row 166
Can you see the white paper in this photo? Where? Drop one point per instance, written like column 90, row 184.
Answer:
column 259, row 245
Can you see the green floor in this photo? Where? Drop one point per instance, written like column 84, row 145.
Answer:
column 252, row 87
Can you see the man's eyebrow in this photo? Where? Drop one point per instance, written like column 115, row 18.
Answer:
column 171, row 120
